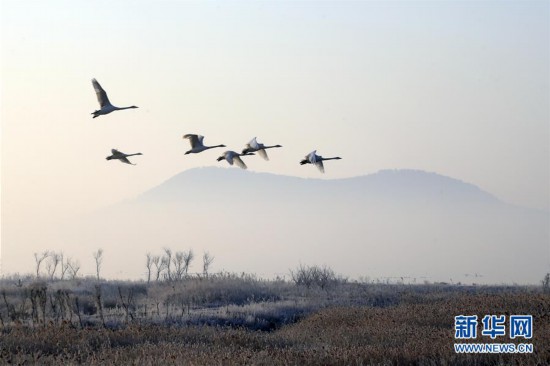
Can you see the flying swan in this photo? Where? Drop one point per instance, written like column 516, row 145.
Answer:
column 234, row 157
column 317, row 160
column 254, row 146
column 121, row 156
column 197, row 145
column 106, row 106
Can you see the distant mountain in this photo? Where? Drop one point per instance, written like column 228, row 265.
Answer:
column 225, row 184
column 391, row 224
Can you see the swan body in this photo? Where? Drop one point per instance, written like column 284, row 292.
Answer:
column 105, row 106
column 317, row 160
column 196, row 144
column 253, row 146
column 234, row 157
column 121, row 156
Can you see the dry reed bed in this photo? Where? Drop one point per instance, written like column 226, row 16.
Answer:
column 417, row 331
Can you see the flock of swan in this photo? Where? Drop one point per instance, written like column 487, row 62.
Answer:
column 196, row 141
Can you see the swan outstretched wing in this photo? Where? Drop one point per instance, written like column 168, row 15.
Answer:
column 263, row 154
column 229, row 155
column 194, row 140
column 200, row 138
column 124, row 159
column 316, row 160
column 239, row 162
column 253, row 144
column 312, row 157
column 115, row 152
column 101, row 94
column 319, row 165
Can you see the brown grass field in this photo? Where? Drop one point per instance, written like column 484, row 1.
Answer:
column 345, row 324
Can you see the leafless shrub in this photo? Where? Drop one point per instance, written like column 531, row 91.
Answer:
column 77, row 311
column 10, row 308
column 309, row 276
column 127, row 303
column 60, row 305
column 39, row 301
column 99, row 303
column 302, row 276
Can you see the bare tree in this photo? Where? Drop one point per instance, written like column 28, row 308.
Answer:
column 99, row 302
column 128, row 303
column 73, row 268
column 98, row 256
column 149, row 265
column 159, row 266
column 167, row 260
column 207, row 260
column 39, row 258
column 64, row 265
column 187, row 258
column 52, row 264
column 179, row 266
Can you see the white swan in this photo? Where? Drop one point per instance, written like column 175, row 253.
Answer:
column 317, row 160
column 234, row 157
column 196, row 144
column 106, row 106
column 121, row 156
column 254, row 146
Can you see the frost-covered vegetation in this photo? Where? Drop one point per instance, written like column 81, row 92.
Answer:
column 222, row 299
column 239, row 318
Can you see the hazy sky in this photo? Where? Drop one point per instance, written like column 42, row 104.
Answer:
column 461, row 88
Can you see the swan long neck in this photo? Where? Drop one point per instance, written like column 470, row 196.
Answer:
column 335, row 158
column 269, row 147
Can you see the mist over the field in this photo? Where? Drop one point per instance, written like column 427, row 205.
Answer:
column 397, row 225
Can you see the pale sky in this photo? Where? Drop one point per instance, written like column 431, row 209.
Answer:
column 461, row 88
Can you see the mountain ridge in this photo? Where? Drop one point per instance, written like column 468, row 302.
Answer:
column 404, row 183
